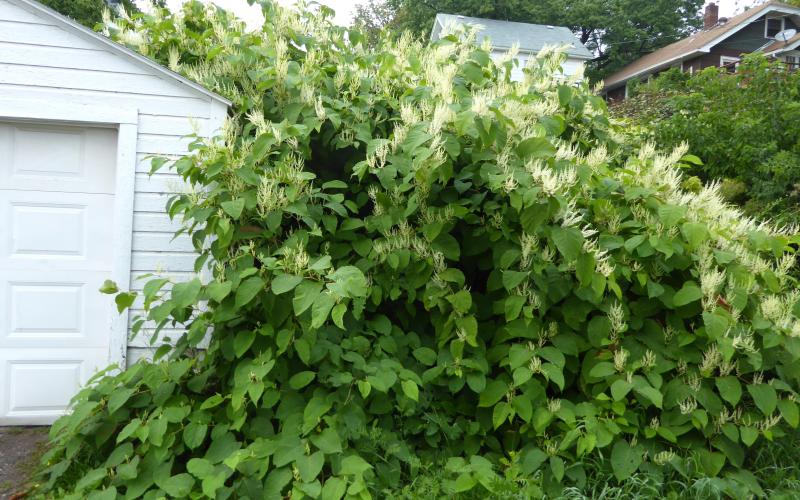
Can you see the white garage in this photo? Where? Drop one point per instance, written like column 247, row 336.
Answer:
column 79, row 118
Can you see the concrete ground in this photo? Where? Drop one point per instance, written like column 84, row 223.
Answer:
column 20, row 448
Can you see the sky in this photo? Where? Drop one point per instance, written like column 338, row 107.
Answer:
column 345, row 9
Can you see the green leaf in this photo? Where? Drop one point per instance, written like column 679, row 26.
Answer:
column 304, row 295
column 124, row 300
column 247, row 290
column 620, row 389
column 186, row 293
column 671, row 214
column 764, row 396
column 242, row 342
column 689, row 293
column 233, row 208
column 789, row 412
column 512, row 279
column 695, row 233
column 569, row 242
column 354, row 465
column 410, row 389
column 494, row 392
column 535, row 147
column 283, row 283
column 310, row 466
column 218, row 291
column 348, row 281
column 425, row 355
column 328, row 441
column 200, row 467
column 302, row 379
column 729, row 389
column 194, row 434
column 321, row 308
column 177, row 486
column 109, row 287
column 602, row 369
column 625, row 459
column 333, row 489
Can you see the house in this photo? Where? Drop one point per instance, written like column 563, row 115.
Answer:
column 79, row 117
column 531, row 39
column 721, row 42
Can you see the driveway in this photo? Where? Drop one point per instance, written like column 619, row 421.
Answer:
column 20, row 448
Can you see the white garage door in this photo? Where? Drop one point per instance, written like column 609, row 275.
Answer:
column 56, row 221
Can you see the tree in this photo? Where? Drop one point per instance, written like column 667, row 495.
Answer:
column 617, row 31
column 88, row 12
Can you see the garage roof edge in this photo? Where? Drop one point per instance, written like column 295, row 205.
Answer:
column 68, row 23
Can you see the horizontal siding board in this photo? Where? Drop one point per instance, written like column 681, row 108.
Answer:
column 154, row 223
column 172, row 125
column 152, row 104
column 151, row 144
column 154, row 242
column 41, row 34
column 66, row 58
column 107, row 81
column 159, row 183
column 174, row 261
column 10, row 12
column 138, row 278
column 151, row 202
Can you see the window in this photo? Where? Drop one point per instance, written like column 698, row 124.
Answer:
column 773, row 26
column 731, row 64
column 791, row 61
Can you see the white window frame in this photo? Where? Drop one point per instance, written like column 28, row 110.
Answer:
column 125, row 120
column 723, row 60
column 766, row 25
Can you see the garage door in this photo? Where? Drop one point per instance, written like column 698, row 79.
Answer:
column 56, row 221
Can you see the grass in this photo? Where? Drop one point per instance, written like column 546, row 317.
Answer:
column 772, row 470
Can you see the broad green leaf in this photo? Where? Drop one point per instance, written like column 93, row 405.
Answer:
column 301, row 379
column 729, row 389
column 233, row 208
column 764, row 396
column 247, row 290
column 689, row 293
column 186, row 293
column 177, row 486
column 410, row 389
column 304, row 295
column 625, row 459
column 568, row 241
column 283, row 283
column 494, row 392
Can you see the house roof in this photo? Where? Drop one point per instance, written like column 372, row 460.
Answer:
column 700, row 42
column 530, row 37
column 780, row 45
column 112, row 46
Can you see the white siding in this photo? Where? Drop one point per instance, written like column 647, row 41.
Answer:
column 43, row 61
column 570, row 66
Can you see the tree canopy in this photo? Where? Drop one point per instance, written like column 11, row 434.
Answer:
column 617, row 31
column 88, row 12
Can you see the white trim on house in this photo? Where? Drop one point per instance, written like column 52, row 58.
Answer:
column 745, row 23
column 112, row 46
column 723, row 60
column 767, row 19
column 125, row 121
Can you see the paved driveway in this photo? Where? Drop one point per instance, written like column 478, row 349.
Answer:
column 20, row 448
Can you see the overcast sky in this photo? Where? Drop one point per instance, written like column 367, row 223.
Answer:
column 345, row 9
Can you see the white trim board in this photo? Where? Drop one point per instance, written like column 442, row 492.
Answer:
column 124, row 120
column 67, row 23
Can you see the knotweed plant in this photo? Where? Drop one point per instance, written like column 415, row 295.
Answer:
column 410, row 262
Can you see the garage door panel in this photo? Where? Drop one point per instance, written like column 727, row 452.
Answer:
column 54, row 310
column 57, row 158
column 41, row 383
column 70, row 233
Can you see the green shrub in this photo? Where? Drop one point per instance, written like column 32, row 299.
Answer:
column 743, row 125
column 420, row 268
